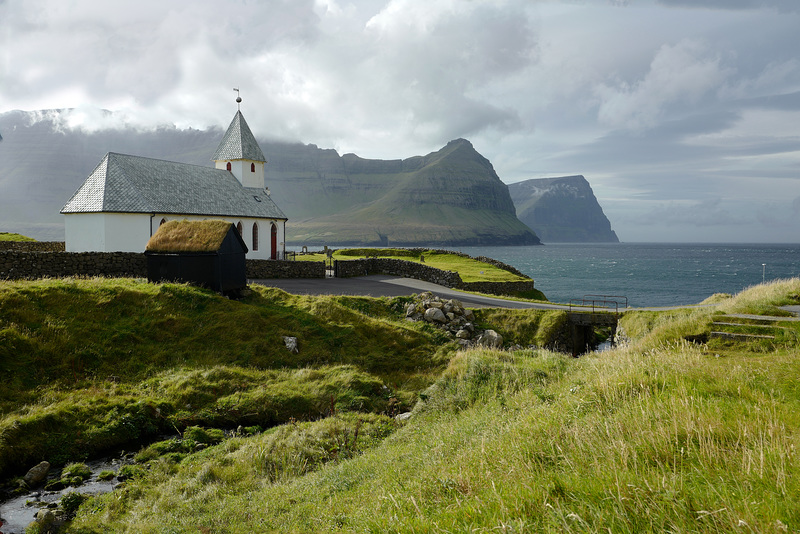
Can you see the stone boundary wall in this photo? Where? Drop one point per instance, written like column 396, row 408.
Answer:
column 498, row 288
column 15, row 265
column 285, row 269
column 32, row 246
column 395, row 267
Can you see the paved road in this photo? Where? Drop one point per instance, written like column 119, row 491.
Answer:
column 379, row 285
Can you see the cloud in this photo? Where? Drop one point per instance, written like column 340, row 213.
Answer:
column 678, row 74
column 708, row 212
column 780, row 5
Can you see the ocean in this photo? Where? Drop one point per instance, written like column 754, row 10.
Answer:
column 648, row 274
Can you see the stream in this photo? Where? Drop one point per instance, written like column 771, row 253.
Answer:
column 18, row 512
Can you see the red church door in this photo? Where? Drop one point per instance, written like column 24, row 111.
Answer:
column 274, row 242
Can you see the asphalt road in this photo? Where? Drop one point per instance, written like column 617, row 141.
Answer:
column 378, row 285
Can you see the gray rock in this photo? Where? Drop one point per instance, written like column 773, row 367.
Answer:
column 403, row 416
column 435, row 315
column 490, row 339
column 463, row 334
column 411, row 309
column 291, row 344
column 36, row 474
column 469, row 316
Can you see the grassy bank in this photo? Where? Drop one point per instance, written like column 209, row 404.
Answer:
column 90, row 365
column 662, row 434
column 10, row 236
column 470, row 270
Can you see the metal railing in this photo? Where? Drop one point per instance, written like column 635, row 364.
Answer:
column 600, row 302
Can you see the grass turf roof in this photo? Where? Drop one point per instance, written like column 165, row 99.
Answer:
column 189, row 236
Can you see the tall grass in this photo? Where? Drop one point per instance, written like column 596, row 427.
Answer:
column 93, row 364
column 670, row 439
column 662, row 435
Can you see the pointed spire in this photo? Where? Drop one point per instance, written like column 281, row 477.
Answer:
column 239, row 142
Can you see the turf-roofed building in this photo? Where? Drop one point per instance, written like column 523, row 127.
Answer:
column 126, row 198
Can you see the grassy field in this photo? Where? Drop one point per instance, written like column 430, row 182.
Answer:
column 470, row 270
column 10, row 236
column 662, row 434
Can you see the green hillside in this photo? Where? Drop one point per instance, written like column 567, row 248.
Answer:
column 452, row 196
column 661, row 434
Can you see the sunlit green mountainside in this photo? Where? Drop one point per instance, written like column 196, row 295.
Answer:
column 452, row 196
column 449, row 197
column 562, row 210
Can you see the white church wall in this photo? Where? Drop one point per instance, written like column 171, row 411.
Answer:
column 84, row 232
column 127, row 232
column 241, row 170
column 105, row 232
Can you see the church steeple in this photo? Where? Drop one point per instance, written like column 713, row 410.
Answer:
column 239, row 153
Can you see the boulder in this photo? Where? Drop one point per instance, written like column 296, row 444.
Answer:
column 36, row 474
column 291, row 344
column 463, row 334
column 490, row 339
column 435, row 315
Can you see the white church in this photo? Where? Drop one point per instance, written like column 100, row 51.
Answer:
column 126, row 198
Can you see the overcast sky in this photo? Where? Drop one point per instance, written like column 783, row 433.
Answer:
column 683, row 115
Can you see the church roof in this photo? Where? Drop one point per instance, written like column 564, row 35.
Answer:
column 133, row 184
column 238, row 142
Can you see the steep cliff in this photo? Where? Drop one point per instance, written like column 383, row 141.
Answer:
column 452, row 196
column 562, row 210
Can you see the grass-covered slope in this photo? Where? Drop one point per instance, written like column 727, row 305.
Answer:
column 11, row 236
column 452, row 196
column 470, row 269
column 662, row 435
column 89, row 365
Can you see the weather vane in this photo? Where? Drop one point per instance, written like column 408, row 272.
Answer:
column 238, row 99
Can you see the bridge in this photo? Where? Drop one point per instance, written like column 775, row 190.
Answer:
column 589, row 312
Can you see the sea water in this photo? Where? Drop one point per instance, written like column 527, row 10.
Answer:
column 657, row 274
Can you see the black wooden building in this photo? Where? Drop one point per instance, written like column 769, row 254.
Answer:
column 208, row 253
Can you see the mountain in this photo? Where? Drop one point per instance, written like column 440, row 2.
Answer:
column 562, row 210
column 449, row 197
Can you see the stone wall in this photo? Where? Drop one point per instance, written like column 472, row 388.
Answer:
column 285, row 269
column 29, row 265
column 16, row 265
column 33, row 246
column 395, row 267
column 497, row 288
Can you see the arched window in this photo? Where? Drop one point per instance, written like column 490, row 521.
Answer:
column 255, row 236
column 274, row 241
column 239, row 227
column 228, row 166
column 162, row 222
column 252, row 167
